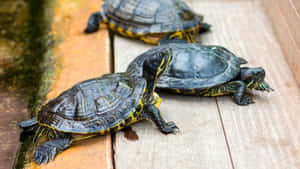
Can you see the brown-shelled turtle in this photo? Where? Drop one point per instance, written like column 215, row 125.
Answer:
column 98, row 106
column 205, row 71
column 148, row 20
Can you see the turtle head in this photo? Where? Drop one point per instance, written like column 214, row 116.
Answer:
column 253, row 77
column 154, row 67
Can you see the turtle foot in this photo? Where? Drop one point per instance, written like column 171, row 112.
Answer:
column 91, row 29
column 170, row 127
column 47, row 151
column 245, row 100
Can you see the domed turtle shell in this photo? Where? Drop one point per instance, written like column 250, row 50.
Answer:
column 93, row 105
column 150, row 16
column 194, row 66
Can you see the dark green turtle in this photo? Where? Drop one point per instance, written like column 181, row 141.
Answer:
column 148, row 20
column 98, row 106
column 204, row 70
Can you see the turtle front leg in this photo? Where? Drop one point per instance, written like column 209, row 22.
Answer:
column 237, row 88
column 152, row 113
column 93, row 22
column 47, row 151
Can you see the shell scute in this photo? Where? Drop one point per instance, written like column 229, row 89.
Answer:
column 194, row 66
column 93, row 105
column 151, row 16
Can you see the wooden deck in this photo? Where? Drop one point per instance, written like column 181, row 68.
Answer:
column 215, row 132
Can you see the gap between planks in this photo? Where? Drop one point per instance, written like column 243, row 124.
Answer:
column 260, row 136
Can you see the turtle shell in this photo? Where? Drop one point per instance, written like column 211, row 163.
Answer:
column 93, row 105
column 193, row 66
column 150, row 16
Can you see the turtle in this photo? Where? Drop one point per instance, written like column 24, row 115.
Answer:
column 204, row 70
column 99, row 106
column 148, row 20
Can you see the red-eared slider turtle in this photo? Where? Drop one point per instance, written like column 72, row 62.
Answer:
column 148, row 20
column 98, row 106
column 206, row 71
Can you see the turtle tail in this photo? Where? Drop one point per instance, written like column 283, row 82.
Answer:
column 93, row 22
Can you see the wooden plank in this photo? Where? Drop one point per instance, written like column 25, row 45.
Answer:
column 200, row 143
column 13, row 102
column 292, row 17
column 287, row 40
column 264, row 135
column 13, row 108
column 296, row 3
column 79, row 57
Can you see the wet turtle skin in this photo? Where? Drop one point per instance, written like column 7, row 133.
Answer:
column 98, row 106
column 148, row 20
column 205, row 71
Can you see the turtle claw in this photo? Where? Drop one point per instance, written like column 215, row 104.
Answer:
column 170, row 127
column 47, row 151
column 42, row 154
column 171, row 124
column 264, row 86
column 245, row 100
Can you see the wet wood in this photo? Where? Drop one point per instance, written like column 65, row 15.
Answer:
column 79, row 57
column 13, row 108
column 13, row 102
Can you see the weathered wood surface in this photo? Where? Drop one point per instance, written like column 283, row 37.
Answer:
column 13, row 108
column 260, row 136
column 263, row 135
column 79, row 57
column 286, row 19
column 292, row 16
column 199, row 143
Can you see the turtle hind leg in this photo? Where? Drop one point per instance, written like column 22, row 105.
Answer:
column 237, row 88
column 47, row 151
column 188, row 36
column 153, row 114
column 93, row 22
column 205, row 27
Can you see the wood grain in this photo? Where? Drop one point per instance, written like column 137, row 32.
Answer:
column 264, row 135
column 292, row 17
column 200, row 143
column 297, row 5
column 260, row 136
column 79, row 57
column 284, row 34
